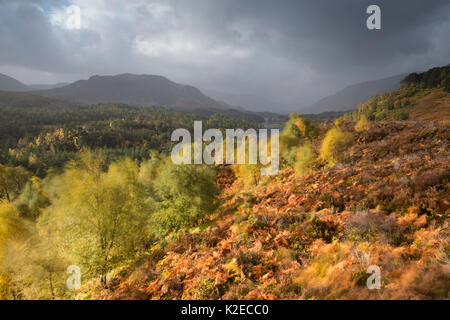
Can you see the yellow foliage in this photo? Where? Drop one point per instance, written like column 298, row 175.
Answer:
column 5, row 284
column 232, row 268
column 12, row 180
column 248, row 174
column 9, row 223
column 305, row 159
column 334, row 145
column 363, row 124
column 10, row 228
column 300, row 123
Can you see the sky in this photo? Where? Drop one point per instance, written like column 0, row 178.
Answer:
column 284, row 54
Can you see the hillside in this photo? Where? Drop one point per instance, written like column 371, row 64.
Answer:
column 95, row 186
column 347, row 196
column 139, row 90
column 433, row 105
column 24, row 100
column 10, row 84
column 313, row 237
column 351, row 96
column 408, row 103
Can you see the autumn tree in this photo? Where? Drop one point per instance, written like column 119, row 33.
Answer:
column 363, row 124
column 297, row 129
column 32, row 199
column 184, row 195
column 37, row 267
column 306, row 157
column 334, row 145
column 12, row 180
column 97, row 215
column 11, row 229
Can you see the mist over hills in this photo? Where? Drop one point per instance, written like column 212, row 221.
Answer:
column 246, row 101
column 349, row 98
column 8, row 83
column 128, row 89
column 47, row 86
column 155, row 90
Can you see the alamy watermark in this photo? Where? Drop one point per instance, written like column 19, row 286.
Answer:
column 237, row 142
column 374, row 280
column 374, row 20
column 74, row 280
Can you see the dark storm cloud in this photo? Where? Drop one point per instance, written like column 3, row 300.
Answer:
column 290, row 52
column 28, row 39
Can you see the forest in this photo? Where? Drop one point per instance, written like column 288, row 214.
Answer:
column 49, row 134
column 435, row 77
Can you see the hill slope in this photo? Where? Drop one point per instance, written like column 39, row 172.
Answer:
column 140, row 90
column 10, row 84
column 350, row 97
column 424, row 96
column 314, row 237
column 28, row 100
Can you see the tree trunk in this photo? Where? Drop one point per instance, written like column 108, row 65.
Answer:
column 103, row 281
column 51, row 285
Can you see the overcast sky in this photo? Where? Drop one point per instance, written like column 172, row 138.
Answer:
column 289, row 52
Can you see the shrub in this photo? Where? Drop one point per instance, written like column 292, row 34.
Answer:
column 334, row 145
column 306, row 157
column 184, row 195
column 291, row 135
column 248, row 174
column 363, row 124
column 296, row 129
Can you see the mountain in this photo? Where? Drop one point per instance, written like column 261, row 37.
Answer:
column 139, row 90
column 48, row 86
column 10, row 84
column 351, row 96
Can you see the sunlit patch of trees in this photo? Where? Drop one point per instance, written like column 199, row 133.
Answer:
column 363, row 124
column 385, row 106
column 96, row 215
column 334, row 146
column 396, row 105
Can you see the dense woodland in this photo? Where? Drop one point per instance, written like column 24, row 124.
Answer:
column 54, row 132
column 93, row 186
column 433, row 78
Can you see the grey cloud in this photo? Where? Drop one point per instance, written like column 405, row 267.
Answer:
column 295, row 51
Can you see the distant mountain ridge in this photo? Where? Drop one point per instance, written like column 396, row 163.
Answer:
column 10, row 84
column 351, row 96
column 139, row 90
